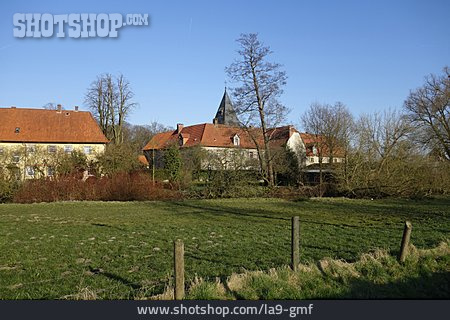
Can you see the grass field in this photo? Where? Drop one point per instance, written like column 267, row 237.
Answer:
column 123, row 250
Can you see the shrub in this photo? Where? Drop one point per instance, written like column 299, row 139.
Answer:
column 290, row 193
column 173, row 163
column 231, row 184
column 118, row 158
column 7, row 188
column 118, row 187
column 71, row 162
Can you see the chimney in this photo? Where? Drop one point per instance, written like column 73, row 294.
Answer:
column 76, row 108
column 179, row 127
column 215, row 121
column 59, row 108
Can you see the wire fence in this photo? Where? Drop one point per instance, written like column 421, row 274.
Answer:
column 133, row 290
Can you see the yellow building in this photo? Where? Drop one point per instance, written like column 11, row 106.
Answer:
column 32, row 139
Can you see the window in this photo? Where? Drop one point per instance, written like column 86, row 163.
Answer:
column 1, row 150
column 31, row 148
column 50, row 171
column 236, row 140
column 251, row 155
column 335, row 160
column 87, row 149
column 15, row 173
column 29, row 171
column 68, row 148
column 51, row 149
column 17, row 130
column 311, row 159
column 16, row 158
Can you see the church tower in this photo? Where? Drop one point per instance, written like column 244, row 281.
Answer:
column 226, row 114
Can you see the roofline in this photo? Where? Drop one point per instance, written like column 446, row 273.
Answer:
column 205, row 146
column 38, row 108
column 246, row 129
column 48, row 142
column 105, row 141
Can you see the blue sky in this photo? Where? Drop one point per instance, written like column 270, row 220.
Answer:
column 367, row 54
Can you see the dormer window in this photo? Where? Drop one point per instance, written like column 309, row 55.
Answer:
column 236, row 140
column 183, row 138
column 17, row 130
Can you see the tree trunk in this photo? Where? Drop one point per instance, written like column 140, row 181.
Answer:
column 267, row 155
column 320, row 176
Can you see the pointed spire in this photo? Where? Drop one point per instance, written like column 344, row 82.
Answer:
column 225, row 113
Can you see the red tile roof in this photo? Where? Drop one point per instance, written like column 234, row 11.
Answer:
column 312, row 140
column 40, row 125
column 309, row 138
column 210, row 135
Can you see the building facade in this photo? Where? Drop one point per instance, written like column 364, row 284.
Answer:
column 31, row 140
column 229, row 145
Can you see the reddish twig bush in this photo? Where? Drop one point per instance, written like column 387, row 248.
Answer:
column 118, row 187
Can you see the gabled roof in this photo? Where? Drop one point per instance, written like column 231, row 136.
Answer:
column 312, row 141
column 309, row 138
column 225, row 113
column 41, row 125
column 280, row 135
column 210, row 135
column 205, row 134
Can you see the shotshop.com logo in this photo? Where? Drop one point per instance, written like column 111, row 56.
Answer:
column 75, row 25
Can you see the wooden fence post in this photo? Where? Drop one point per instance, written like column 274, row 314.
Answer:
column 405, row 242
column 295, row 245
column 179, row 269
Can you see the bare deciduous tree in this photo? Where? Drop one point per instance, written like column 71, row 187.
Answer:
column 331, row 125
column 428, row 109
column 380, row 152
column 123, row 106
column 381, row 133
column 95, row 99
column 51, row 106
column 138, row 135
column 259, row 86
column 111, row 101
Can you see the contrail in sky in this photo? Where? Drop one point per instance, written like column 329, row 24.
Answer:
column 6, row 46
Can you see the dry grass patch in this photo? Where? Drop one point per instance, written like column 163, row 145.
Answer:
column 374, row 275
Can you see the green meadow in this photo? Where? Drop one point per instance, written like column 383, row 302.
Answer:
column 124, row 250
